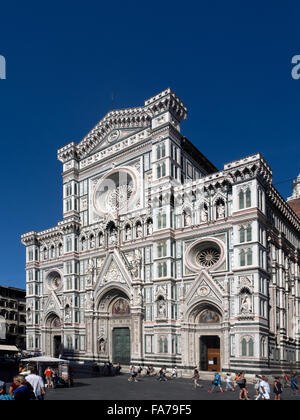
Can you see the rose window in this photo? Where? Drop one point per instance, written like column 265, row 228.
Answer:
column 208, row 257
column 205, row 253
column 116, row 192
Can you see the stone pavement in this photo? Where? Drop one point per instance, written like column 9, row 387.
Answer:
column 118, row 388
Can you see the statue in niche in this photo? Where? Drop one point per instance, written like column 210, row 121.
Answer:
column 187, row 219
column 220, row 210
column 90, row 301
column 67, row 314
column 128, row 233
column 92, row 242
column 136, row 264
column 113, row 237
column 245, row 303
column 139, row 230
column 204, row 214
column 161, row 308
column 102, row 345
column 90, row 272
column 149, row 227
column 101, row 240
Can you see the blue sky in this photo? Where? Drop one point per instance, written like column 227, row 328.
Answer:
column 230, row 62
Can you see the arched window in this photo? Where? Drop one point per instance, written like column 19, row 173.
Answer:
column 249, row 233
column 244, row 347
column 241, row 200
column 45, row 253
column 249, row 257
column 242, row 258
column 248, row 198
column 52, row 251
column 242, row 234
column 250, row 348
column 60, row 249
column 83, row 243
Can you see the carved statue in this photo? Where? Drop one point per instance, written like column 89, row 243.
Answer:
column 113, row 237
column 149, row 228
column 220, row 211
column 102, row 345
column 204, row 214
column 245, row 303
column 161, row 308
column 136, row 264
column 139, row 231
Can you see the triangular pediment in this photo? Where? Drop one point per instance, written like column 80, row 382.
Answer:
column 114, row 136
column 113, row 271
column 204, row 287
column 121, row 123
column 52, row 304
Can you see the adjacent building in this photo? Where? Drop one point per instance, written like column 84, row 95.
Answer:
column 161, row 258
column 13, row 317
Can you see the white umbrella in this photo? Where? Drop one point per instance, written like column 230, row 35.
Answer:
column 45, row 359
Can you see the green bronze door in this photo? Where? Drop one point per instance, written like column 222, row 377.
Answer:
column 121, row 346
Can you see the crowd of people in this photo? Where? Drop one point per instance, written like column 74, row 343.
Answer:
column 239, row 382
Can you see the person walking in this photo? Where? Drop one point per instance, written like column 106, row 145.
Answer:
column 133, row 374
column 49, row 377
column 174, row 372
column 277, row 388
column 229, row 383
column 196, row 377
column 216, row 383
column 294, row 385
column 264, row 388
column 242, row 383
column 37, row 384
column 162, row 374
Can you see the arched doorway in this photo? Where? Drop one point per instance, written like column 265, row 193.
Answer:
column 205, row 337
column 210, row 345
column 114, row 327
column 54, row 346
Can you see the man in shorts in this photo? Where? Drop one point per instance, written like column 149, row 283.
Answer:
column 49, row 377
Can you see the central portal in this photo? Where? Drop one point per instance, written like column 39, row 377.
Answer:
column 210, row 353
column 121, row 345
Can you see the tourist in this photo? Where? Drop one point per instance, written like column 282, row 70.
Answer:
column 118, row 369
column 22, row 392
column 150, row 370
column 133, row 374
column 277, row 388
column 139, row 371
column 264, row 388
column 37, row 384
column 257, row 387
column 294, row 385
column 49, row 377
column 216, row 383
column 242, row 383
column 174, row 372
column 162, row 374
column 196, row 377
column 3, row 394
column 229, row 383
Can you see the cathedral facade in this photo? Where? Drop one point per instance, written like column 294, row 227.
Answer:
column 160, row 258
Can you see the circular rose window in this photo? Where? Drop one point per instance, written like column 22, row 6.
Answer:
column 54, row 280
column 206, row 253
column 115, row 192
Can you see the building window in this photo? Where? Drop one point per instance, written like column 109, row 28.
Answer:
column 162, row 249
column 162, row 270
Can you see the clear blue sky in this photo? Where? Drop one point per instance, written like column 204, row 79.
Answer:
column 229, row 61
